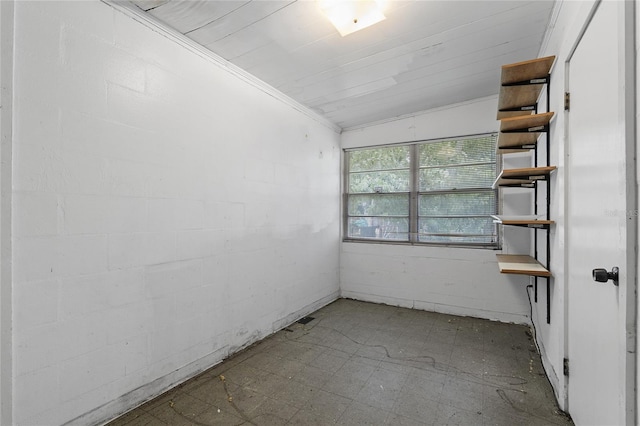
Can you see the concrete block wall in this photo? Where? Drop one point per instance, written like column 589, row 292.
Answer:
column 450, row 280
column 166, row 212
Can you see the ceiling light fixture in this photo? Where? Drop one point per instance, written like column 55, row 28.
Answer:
column 349, row 16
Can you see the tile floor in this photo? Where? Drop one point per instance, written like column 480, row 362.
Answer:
column 360, row 363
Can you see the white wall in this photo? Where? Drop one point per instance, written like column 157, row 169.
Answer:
column 451, row 280
column 6, row 89
column 568, row 20
column 166, row 212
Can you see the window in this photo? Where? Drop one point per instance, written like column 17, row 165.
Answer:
column 435, row 192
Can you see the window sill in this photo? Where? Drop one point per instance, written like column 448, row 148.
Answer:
column 420, row 244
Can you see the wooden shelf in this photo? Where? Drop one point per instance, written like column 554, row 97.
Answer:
column 529, row 173
column 529, row 221
column 527, row 71
column 521, row 265
column 524, row 178
column 522, row 99
column 523, row 132
column 521, row 84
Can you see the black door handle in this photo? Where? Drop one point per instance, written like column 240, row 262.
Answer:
column 602, row 276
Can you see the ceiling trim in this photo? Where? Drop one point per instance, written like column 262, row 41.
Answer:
column 548, row 33
column 149, row 21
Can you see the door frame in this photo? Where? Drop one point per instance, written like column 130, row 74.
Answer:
column 628, row 291
column 7, row 17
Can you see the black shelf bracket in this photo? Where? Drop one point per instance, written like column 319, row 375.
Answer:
column 531, row 225
column 533, row 107
column 518, row 185
column 534, row 129
column 523, row 146
column 541, row 80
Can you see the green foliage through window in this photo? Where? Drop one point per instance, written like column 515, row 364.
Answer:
column 450, row 181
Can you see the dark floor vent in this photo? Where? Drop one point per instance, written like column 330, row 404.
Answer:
column 305, row 320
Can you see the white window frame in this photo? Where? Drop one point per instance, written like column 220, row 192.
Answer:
column 414, row 193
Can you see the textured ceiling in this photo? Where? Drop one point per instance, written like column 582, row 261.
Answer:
column 426, row 53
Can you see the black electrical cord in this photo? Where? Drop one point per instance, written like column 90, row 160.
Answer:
column 533, row 324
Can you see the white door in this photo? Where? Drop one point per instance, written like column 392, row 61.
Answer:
column 597, row 224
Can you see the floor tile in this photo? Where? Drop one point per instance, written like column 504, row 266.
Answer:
column 243, row 401
column 312, row 376
column 463, row 393
column 214, row 391
column 361, row 414
column 308, row 418
column 398, row 420
column 330, row 361
column 455, row 416
column 360, row 363
column 357, row 369
column 135, row 418
column 346, row 386
column 295, row 393
column 327, row 405
column 272, row 412
column 425, row 384
column 179, row 410
column 413, row 405
column 219, row 416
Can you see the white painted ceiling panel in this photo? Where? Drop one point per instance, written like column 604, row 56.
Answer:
column 187, row 16
column 247, row 15
column 148, row 4
column 426, row 54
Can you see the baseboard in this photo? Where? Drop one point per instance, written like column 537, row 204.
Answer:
column 554, row 380
column 147, row 392
column 295, row 316
column 438, row 307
